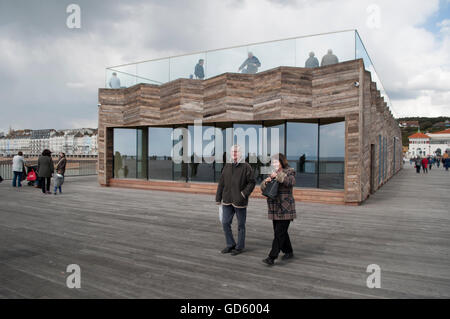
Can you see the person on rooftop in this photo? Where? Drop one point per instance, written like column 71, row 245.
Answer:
column 199, row 71
column 329, row 58
column 312, row 61
column 114, row 82
column 250, row 65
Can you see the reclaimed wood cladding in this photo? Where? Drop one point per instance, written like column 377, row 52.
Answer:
column 275, row 94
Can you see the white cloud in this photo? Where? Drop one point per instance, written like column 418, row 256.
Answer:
column 444, row 26
column 61, row 73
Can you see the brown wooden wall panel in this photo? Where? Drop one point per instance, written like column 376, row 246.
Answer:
column 280, row 93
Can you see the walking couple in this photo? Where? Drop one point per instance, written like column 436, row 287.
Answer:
column 235, row 186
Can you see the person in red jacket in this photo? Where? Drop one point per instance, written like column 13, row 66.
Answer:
column 425, row 165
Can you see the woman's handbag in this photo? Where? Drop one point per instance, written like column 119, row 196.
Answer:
column 271, row 189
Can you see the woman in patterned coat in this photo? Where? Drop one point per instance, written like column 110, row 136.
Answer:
column 282, row 209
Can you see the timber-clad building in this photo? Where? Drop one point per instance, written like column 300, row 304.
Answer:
column 334, row 121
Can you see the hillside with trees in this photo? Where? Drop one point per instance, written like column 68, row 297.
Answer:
column 426, row 124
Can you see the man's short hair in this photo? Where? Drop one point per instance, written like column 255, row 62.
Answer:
column 20, row 153
column 114, row 73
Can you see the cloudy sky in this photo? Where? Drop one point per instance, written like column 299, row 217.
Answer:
column 50, row 74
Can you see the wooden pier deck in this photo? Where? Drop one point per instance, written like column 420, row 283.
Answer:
column 153, row 244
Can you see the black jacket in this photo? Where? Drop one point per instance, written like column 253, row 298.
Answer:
column 45, row 166
column 199, row 72
column 236, row 184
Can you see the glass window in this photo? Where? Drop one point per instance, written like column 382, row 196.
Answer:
column 124, row 153
column 301, row 149
column 272, row 143
column 249, row 138
column 180, row 153
column 222, row 147
column 201, row 153
column 332, row 155
column 160, row 153
column 142, row 153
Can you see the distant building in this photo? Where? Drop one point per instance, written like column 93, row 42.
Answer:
column 409, row 124
column 442, row 124
column 40, row 140
column 33, row 142
column 440, row 142
column 421, row 144
column 14, row 142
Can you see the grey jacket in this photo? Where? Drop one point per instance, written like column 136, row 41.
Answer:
column 329, row 59
column 252, row 65
column 45, row 166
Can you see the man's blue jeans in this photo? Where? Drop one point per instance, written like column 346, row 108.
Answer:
column 227, row 219
column 18, row 176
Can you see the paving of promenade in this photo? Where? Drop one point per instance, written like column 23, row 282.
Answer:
column 151, row 244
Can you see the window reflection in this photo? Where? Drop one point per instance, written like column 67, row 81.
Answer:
column 181, row 146
column 125, row 153
column 301, row 149
column 249, row 138
column 141, row 153
column 273, row 143
column 332, row 155
column 159, row 155
column 318, row 162
column 222, row 147
column 201, row 166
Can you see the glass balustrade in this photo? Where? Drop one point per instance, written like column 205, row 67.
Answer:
column 306, row 51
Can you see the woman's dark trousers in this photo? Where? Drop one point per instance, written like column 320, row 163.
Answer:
column 281, row 240
column 43, row 184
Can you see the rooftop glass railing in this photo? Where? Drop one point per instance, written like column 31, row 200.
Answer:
column 305, row 51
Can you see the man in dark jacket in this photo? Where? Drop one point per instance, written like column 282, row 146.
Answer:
column 199, row 71
column 235, row 186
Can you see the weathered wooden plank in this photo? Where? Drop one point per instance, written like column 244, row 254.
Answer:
column 147, row 244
